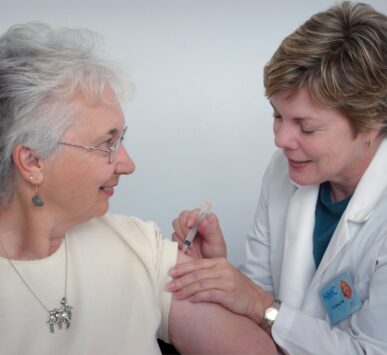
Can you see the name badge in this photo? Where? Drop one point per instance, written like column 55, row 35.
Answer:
column 340, row 298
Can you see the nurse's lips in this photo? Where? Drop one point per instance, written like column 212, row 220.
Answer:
column 297, row 164
column 108, row 190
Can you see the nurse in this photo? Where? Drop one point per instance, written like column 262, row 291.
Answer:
column 321, row 220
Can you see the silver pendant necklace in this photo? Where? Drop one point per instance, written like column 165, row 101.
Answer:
column 57, row 316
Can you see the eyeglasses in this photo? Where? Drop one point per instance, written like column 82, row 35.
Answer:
column 111, row 152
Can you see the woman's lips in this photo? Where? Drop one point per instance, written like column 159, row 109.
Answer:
column 107, row 190
column 298, row 164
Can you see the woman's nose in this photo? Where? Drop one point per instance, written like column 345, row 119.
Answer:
column 124, row 164
column 284, row 136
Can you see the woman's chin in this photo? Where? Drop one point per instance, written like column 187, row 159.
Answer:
column 302, row 180
column 101, row 209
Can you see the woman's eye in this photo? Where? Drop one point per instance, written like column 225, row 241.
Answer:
column 307, row 131
column 277, row 116
column 105, row 145
column 305, row 128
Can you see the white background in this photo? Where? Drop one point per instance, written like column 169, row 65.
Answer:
column 199, row 126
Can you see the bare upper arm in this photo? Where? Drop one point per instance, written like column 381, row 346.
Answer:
column 208, row 328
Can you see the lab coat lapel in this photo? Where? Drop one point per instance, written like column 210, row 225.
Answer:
column 298, row 265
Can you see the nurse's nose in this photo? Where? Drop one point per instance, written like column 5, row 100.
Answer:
column 284, row 135
column 124, row 163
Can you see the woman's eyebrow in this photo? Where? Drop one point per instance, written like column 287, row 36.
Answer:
column 113, row 132
column 297, row 118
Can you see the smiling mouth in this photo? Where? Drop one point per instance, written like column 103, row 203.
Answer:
column 298, row 163
column 108, row 190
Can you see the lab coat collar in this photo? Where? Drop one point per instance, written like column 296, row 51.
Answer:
column 371, row 187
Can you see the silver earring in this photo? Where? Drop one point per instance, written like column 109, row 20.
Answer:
column 36, row 199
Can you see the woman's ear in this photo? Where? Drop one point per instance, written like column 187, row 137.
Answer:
column 373, row 137
column 28, row 164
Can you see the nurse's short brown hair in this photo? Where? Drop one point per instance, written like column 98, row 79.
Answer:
column 340, row 56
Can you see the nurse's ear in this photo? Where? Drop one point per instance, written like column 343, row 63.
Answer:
column 29, row 166
column 372, row 136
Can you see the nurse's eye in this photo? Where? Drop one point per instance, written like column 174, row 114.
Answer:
column 305, row 127
column 307, row 130
column 277, row 116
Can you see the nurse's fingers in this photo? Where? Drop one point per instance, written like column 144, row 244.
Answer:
column 210, row 288
column 190, row 266
column 183, row 223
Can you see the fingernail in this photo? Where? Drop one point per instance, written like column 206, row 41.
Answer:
column 172, row 272
column 170, row 286
column 190, row 223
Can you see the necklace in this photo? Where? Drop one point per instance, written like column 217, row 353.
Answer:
column 57, row 316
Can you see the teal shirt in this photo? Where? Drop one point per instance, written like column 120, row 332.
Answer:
column 327, row 216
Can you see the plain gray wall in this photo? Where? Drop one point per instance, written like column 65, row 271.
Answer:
column 199, row 126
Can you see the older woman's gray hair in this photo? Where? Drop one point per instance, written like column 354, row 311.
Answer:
column 41, row 69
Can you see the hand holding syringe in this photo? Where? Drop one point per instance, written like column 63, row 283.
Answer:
column 192, row 233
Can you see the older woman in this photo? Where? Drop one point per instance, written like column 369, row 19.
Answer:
column 321, row 220
column 73, row 279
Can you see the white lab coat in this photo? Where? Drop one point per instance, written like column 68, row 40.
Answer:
column 279, row 258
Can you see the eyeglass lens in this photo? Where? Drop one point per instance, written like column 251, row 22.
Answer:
column 114, row 147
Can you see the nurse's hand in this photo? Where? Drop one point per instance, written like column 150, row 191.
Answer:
column 209, row 241
column 216, row 280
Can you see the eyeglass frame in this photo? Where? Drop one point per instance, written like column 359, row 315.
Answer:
column 111, row 151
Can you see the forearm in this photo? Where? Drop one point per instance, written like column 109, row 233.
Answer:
column 208, row 328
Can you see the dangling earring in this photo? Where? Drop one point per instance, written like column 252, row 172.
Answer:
column 36, row 199
column 370, row 142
